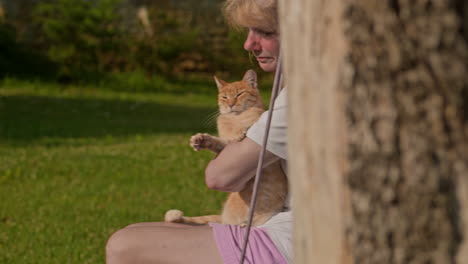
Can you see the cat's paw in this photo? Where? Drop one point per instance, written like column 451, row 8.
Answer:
column 200, row 141
column 173, row 216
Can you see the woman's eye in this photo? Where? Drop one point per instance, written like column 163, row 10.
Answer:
column 267, row 34
column 263, row 33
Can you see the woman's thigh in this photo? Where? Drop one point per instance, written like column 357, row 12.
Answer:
column 160, row 224
column 163, row 243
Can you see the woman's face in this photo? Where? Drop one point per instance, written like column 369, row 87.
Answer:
column 264, row 46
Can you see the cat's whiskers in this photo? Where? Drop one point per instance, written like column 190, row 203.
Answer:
column 210, row 121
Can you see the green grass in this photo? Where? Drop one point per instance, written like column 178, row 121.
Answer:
column 76, row 164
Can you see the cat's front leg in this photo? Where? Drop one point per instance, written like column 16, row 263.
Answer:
column 207, row 141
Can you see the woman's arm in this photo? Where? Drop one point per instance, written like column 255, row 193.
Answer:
column 235, row 166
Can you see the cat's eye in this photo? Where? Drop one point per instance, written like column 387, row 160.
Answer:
column 224, row 97
column 239, row 94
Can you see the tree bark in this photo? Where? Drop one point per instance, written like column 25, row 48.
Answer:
column 378, row 95
column 314, row 48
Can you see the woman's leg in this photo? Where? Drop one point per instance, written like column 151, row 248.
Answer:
column 162, row 243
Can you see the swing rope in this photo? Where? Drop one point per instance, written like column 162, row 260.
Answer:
column 276, row 87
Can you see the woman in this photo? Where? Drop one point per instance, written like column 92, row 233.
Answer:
column 229, row 171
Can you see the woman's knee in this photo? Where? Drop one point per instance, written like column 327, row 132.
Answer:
column 119, row 246
column 129, row 244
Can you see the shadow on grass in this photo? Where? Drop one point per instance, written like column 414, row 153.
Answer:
column 24, row 119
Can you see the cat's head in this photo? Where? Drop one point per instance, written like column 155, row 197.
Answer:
column 239, row 96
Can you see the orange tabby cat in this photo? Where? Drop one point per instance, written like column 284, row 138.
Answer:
column 240, row 106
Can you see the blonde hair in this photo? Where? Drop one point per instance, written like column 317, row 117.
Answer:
column 261, row 14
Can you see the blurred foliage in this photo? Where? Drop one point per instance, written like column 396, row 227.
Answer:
column 80, row 36
column 92, row 41
column 18, row 60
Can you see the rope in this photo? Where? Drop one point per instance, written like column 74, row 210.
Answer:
column 276, row 86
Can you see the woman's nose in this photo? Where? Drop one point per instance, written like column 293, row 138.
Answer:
column 251, row 43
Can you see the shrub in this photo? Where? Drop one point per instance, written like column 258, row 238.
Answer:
column 80, row 35
column 90, row 40
column 16, row 59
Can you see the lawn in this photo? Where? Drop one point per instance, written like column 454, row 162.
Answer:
column 78, row 163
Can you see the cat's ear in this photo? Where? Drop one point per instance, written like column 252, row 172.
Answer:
column 220, row 83
column 251, row 78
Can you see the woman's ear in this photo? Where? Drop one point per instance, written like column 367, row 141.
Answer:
column 219, row 83
column 251, row 78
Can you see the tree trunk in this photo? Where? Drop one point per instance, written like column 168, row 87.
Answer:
column 378, row 96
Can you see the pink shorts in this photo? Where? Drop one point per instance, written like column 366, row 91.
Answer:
column 260, row 249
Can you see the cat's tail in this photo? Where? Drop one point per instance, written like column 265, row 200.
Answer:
column 177, row 216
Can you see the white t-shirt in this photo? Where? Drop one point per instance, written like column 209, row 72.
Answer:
column 279, row 227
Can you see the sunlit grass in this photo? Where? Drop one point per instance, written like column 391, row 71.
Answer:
column 76, row 164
